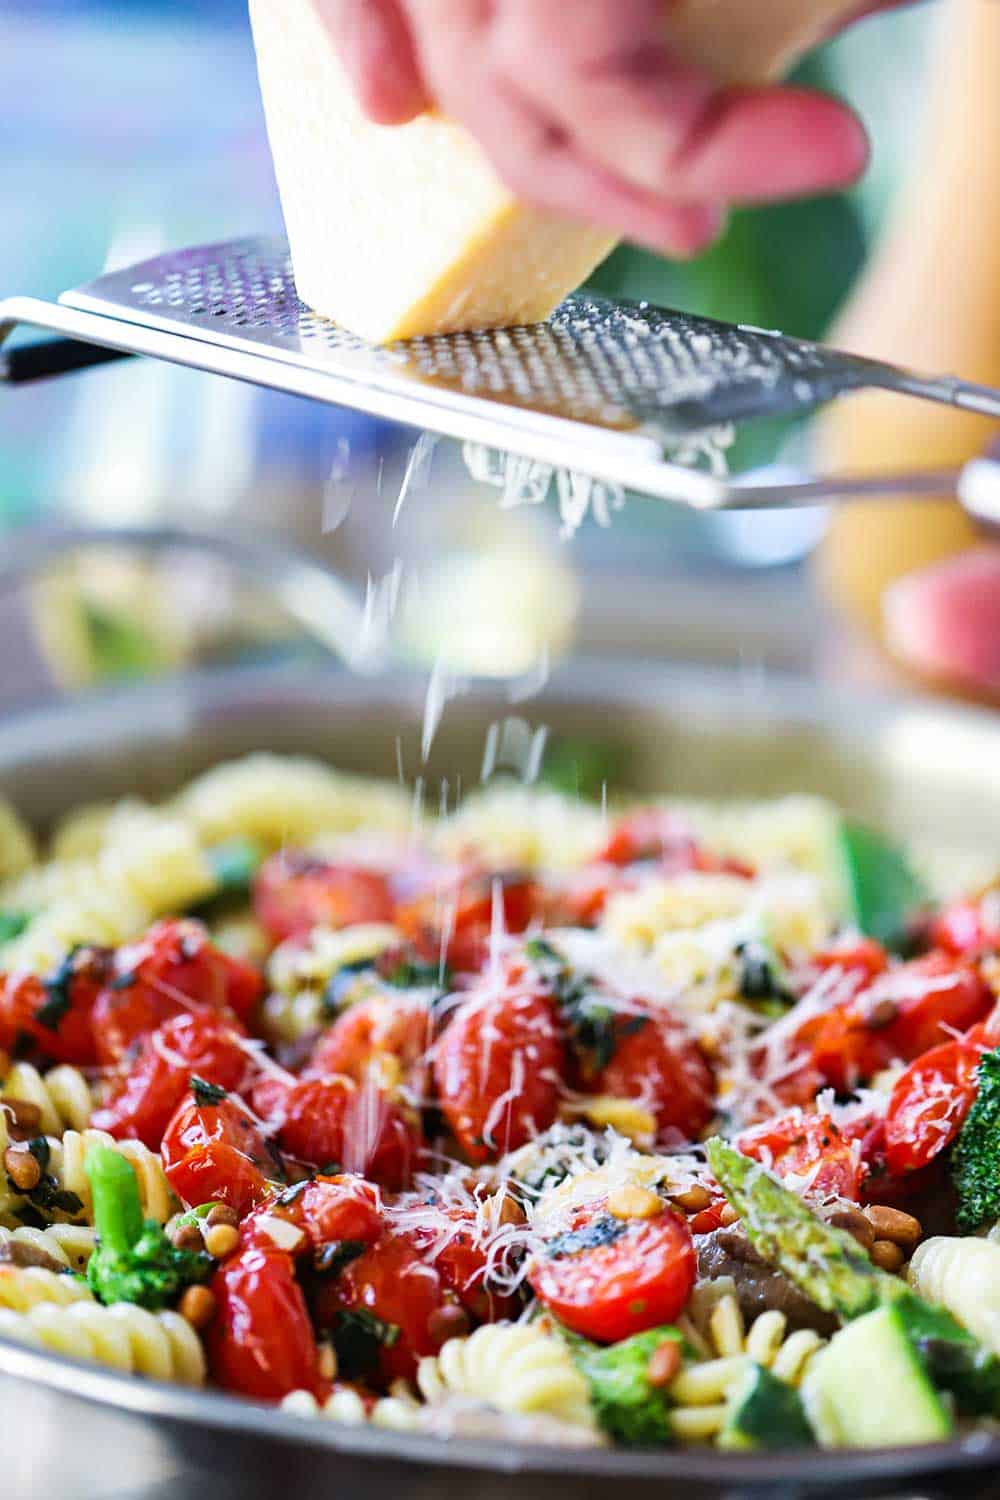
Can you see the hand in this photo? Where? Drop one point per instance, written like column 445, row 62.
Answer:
column 945, row 622
column 589, row 114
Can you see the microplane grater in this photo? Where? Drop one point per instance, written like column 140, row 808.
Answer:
column 609, row 389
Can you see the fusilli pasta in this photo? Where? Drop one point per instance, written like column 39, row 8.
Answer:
column 24, row 1287
column 149, row 865
column 702, row 1392
column 288, row 800
column 17, row 846
column 962, row 1275
column 67, row 1166
column 162, row 1346
column 62, row 1096
column 514, row 1367
column 70, row 1245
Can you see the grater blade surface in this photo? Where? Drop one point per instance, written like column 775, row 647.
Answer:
column 612, row 365
column 605, row 389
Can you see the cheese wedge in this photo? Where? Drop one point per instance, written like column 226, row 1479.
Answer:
column 403, row 231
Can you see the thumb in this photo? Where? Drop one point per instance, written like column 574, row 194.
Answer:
column 945, row 621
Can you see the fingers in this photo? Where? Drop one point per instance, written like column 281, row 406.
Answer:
column 376, row 47
column 769, row 144
column 945, row 621
column 542, row 166
column 594, row 119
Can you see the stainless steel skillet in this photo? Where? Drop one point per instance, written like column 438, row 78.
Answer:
column 930, row 769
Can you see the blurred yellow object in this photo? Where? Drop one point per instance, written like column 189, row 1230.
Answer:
column 930, row 299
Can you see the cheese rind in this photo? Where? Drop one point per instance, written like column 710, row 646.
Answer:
column 403, row 231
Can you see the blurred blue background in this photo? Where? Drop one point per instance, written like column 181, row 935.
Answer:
column 131, row 127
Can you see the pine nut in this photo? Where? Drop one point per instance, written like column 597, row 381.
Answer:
column 221, row 1213
column 728, row 1217
column 887, row 1256
column 694, row 1200
column 197, row 1306
column 221, row 1240
column 24, row 1119
column 188, row 1237
column 664, row 1364
column 22, row 1168
column 892, row 1224
column 327, row 1362
column 631, row 1202
column 856, row 1223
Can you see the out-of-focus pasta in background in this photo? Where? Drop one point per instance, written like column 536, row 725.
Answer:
column 136, row 126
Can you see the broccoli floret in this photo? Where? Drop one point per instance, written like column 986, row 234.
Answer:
column 627, row 1405
column 975, row 1161
column 134, row 1260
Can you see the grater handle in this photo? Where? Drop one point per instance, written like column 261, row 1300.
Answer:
column 47, row 358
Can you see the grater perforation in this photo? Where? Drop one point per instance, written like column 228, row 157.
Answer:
column 604, row 389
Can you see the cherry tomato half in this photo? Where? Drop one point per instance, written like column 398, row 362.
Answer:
column 143, row 1094
column 657, row 1064
column 327, row 1121
column 809, row 1147
column 391, row 1032
column 216, row 1152
column 295, row 892
column 172, row 970
column 402, row 1290
column 57, row 1012
column 929, row 1105
column 498, row 1066
column 608, row 1278
column 261, row 1341
column 455, row 921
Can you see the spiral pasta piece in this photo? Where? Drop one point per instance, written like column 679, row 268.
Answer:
column 397, row 1412
column 66, row 1164
column 25, row 1287
column 150, row 864
column 513, row 1367
column 70, row 1245
column 962, row 1275
column 17, row 846
column 702, row 1392
column 288, row 800
column 161, row 1346
column 62, row 1095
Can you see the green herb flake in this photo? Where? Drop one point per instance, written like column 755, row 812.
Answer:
column 206, row 1094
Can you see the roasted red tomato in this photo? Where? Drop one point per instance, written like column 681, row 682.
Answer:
column 904, row 1013
column 391, row 1032
column 331, row 1212
column 383, row 1311
column 657, row 1064
column 863, row 957
column 144, row 1093
column 327, row 1121
column 580, row 900
column 293, row 893
column 173, row 969
column 463, row 1264
column 499, row 1066
column 213, row 1150
column 455, row 921
column 56, row 1013
column 929, row 1104
column 261, row 1341
column 654, row 833
column 935, row 996
column 970, row 927
column 810, row 1148
column 608, row 1278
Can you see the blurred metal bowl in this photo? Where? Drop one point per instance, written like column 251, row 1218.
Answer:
column 929, row 770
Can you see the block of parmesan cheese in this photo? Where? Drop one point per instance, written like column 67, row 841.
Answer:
column 402, row 231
